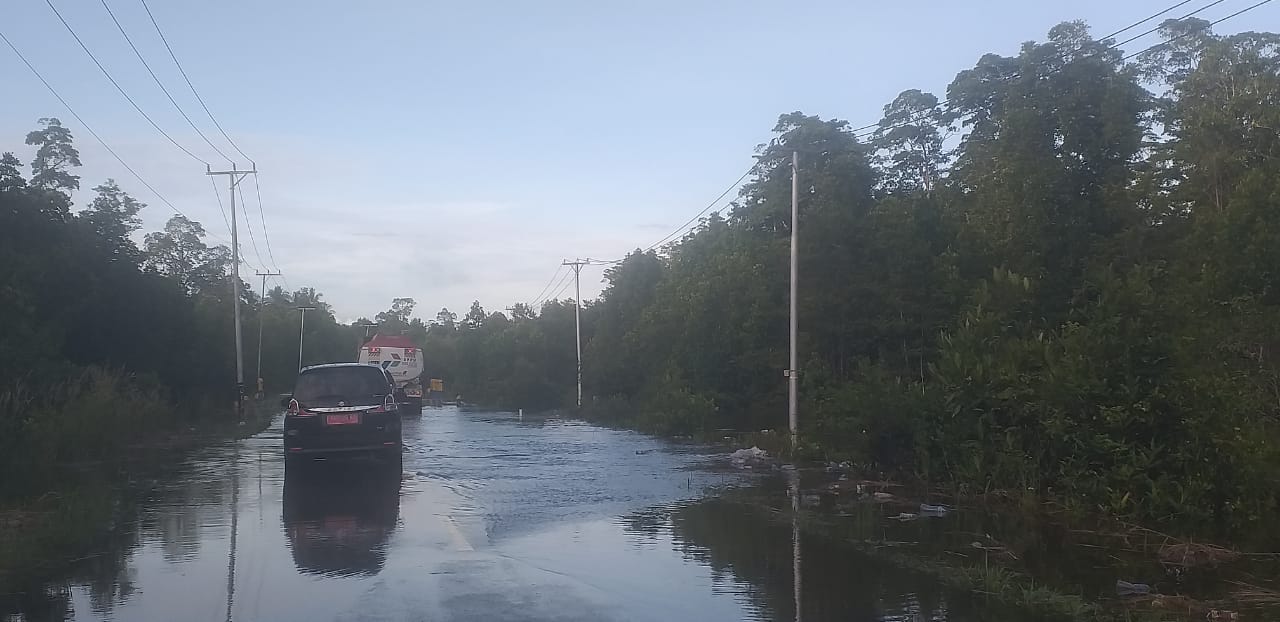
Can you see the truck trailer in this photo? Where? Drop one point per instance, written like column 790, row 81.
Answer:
column 399, row 355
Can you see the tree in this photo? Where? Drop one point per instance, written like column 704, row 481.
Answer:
column 113, row 216
column 55, row 156
column 11, row 173
column 180, row 253
column 446, row 318
column 475, row 317
column 911, row 140
column 396, row 319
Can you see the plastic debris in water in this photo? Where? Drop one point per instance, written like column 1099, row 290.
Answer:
column 1124, row 588
column 744, row 456
column 933, row 510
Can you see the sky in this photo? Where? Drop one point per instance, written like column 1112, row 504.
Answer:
column 459, row 151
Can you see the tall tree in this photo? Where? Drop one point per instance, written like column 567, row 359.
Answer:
column 113, row 216
column 180, row 252
column 911, row 140
column 50, row 170
column 475, row 316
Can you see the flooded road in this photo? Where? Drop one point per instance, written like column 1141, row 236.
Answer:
column 492, row 517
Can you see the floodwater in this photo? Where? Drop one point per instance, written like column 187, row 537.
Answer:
column 492, row 517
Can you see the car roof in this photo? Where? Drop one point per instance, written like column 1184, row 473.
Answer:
column 336, row 365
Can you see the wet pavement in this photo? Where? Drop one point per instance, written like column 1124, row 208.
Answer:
column 491, row 517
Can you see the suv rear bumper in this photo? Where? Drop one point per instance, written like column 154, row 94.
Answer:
column 342, row 449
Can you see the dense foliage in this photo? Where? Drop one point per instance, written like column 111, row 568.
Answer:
column 1063, row 279
column 107, row 344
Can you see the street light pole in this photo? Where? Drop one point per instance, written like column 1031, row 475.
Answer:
column 262, row 303
column 302, row 328
column 793, row 372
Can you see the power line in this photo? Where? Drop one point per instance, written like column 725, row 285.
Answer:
column 261, row 216
column 248, row 224
column 564, row 282
column 96, row 136
column 194, row 91
column 118, row 87
column 549, row 282
column 159, row 83
column 189, row 84
column 924, row 113
column 704, row 210
column 1140, row 22
column 222, row 211
column 1185, row 34
column 562, row 290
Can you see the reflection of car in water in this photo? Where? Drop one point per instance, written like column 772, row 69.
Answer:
column 338, row 517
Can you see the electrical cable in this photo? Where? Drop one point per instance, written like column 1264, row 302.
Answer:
column 160, row 84
column 97, row 137
column 189, row 84
column 548, row 285
column 121, row 89
column 704, row 211
column 1140, row 22
column 921, row 115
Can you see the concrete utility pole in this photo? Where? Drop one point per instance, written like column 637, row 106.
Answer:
column 262, row 302
column 235, row 176
column 302, row 328
column 577, row 314
column 793, row 372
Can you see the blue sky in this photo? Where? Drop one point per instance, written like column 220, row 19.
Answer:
column 458, row 151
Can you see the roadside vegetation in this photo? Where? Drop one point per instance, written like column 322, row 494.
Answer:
column 1058, row 281
column 111, row 351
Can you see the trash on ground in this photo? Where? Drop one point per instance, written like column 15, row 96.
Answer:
column 1125, row 588
column 904, row 516
column 747, row 457
column 882, row 496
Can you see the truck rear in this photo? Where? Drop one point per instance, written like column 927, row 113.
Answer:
column 400, row 356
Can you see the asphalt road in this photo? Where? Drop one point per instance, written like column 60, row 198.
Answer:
column 491, row 517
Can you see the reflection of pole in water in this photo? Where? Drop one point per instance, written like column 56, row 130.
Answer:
column 235, row 511
column 794, row 485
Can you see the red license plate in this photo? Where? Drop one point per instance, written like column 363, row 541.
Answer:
column 343, row 419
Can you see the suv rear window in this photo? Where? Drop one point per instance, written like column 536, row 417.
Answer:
column 340, row 383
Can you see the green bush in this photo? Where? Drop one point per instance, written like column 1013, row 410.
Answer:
column 95, row 415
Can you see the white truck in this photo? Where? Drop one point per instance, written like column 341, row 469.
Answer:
column 403, row 359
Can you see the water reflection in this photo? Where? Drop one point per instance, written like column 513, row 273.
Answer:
column 338, row 516
column 761, row 546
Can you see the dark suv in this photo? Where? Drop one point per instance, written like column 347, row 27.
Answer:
column 342, row 407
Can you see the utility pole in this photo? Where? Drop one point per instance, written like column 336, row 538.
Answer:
column 577, row 314
column 235, row 176
column 793, row 372
column 302, row 328
column 262, row 302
